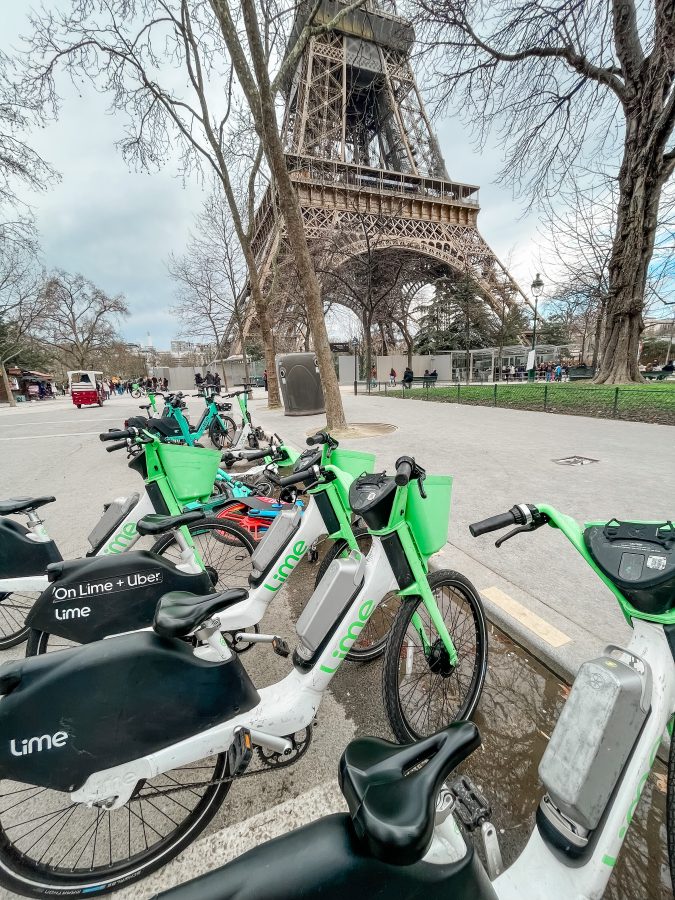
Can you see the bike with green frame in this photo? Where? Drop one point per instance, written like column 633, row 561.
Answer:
column 137, row 794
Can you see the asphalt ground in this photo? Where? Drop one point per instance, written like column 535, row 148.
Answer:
column 54, row 449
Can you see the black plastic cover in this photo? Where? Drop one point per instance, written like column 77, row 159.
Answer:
column 78, row 711
column 307, row 459
column 372, row 497
column 20, row 555
column 325, row 860
column 92, row 598
column 639, row 559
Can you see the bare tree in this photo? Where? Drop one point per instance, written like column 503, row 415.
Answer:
column 21, row 304
column 559, row 81
column 78, row 319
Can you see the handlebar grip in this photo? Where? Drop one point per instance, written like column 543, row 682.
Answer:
column 121, row 446
column 404, row 470
column 296, row 477
column 493, row 523
column 255, row 454
column 319, row 438
column 114, row 435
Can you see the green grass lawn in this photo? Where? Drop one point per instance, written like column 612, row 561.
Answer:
column 653, row 402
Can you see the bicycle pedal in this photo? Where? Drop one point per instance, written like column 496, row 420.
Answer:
column 471, row 806
column 280, row 647
column 240, row 751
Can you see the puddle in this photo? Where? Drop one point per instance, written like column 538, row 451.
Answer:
column 519, row 708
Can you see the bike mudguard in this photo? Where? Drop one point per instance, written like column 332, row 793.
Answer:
column 92, row 598
column 67, row 715
column 325, row 860
column 21, row 555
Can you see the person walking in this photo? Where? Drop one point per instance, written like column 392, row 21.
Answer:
column 392, row 376
column 165, row 383
column 265, row 379
column 216, row 382
column 558, row 372
column 209, row 378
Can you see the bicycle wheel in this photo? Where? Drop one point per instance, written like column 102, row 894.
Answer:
column 224, row 548
column 49, row 845
column 422, row 691
column 43, row 642
column 135, row 394
column 222, row 439
column 14, row 607
column 373, row 637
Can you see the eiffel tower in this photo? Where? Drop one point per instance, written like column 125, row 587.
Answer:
column 362, row 155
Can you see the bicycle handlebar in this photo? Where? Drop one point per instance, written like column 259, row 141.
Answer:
column 321, row 437
column 494, row 523
column 296, row 477
column 121, row 446
column 115, row 435
column 404, row 470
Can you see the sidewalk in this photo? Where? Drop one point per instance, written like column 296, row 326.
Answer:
column 535, row 587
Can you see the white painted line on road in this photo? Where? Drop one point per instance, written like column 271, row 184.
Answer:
column 526, row 617
column 37, row 437
column 59, row 422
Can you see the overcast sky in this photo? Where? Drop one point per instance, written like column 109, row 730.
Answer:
column 117, row 227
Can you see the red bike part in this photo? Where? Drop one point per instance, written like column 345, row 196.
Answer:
column 241, row 515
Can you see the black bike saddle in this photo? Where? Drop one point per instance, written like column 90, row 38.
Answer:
column 393, row 813
column 23, row 504
column 179, row 612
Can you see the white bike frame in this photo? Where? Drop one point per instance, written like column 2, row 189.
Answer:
column 284, row 708
column 538, row 873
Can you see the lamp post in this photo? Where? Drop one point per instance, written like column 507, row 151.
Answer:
column 536, row 287
column 355, row 345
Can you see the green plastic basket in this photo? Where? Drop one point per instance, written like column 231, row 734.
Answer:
column 429, row 519
column 191, row 470
column 350, row 464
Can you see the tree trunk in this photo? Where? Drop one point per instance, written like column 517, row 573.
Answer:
column 5, row 380
column 640, row 182
column 598, row 333
column 273, row 399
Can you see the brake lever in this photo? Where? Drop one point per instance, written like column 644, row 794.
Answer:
column 420, row 483
column 513, row 533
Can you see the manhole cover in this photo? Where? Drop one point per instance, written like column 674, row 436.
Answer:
column 575, row 461
column 360, row 430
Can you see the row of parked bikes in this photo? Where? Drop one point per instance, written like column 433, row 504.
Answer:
column 119, row 749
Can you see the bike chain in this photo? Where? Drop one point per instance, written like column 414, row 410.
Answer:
column 227, row 779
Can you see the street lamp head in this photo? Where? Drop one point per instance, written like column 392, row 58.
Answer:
column 537, row 286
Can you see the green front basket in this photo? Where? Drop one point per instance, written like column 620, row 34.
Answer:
column 429, row 519
column 190, row 470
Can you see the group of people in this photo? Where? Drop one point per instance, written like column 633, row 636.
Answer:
column 211, row 379
column 120, row 386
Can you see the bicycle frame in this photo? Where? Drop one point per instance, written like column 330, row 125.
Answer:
column 187, row 436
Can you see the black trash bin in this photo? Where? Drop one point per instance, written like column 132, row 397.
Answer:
column 300, row 384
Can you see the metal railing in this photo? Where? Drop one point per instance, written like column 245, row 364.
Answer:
column 639, row 404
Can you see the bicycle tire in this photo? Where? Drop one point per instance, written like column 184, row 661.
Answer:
column 398, row 649
column 13, row 628
column 219, row 438
column 20, row 873
column 135, row 394
column 226, row 535
column 364, row 649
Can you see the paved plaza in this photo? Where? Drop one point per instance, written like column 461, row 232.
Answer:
column 535, row 586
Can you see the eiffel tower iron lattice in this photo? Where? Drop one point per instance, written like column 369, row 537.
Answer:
column 364, row 158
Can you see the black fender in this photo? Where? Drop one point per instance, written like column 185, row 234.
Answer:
column 20, row 555
column 92, row 598
column 69, row 714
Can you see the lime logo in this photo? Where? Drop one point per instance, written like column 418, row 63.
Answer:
column 346, row 641
column 122, row 539
column 289, row 564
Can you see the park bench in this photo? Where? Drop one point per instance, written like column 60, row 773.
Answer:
column 577, row 373
column 424, row 380
column 657, row 376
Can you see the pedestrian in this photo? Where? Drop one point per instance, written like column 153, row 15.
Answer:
column 407, row 377
column 265, row 378
column 373, row 376
column 209, row 378
column 558, row 372
column 154, row 383
column 165, row 383
column 392, row 376
column 216, row 382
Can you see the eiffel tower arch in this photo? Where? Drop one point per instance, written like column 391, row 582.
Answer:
column 362, row 155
